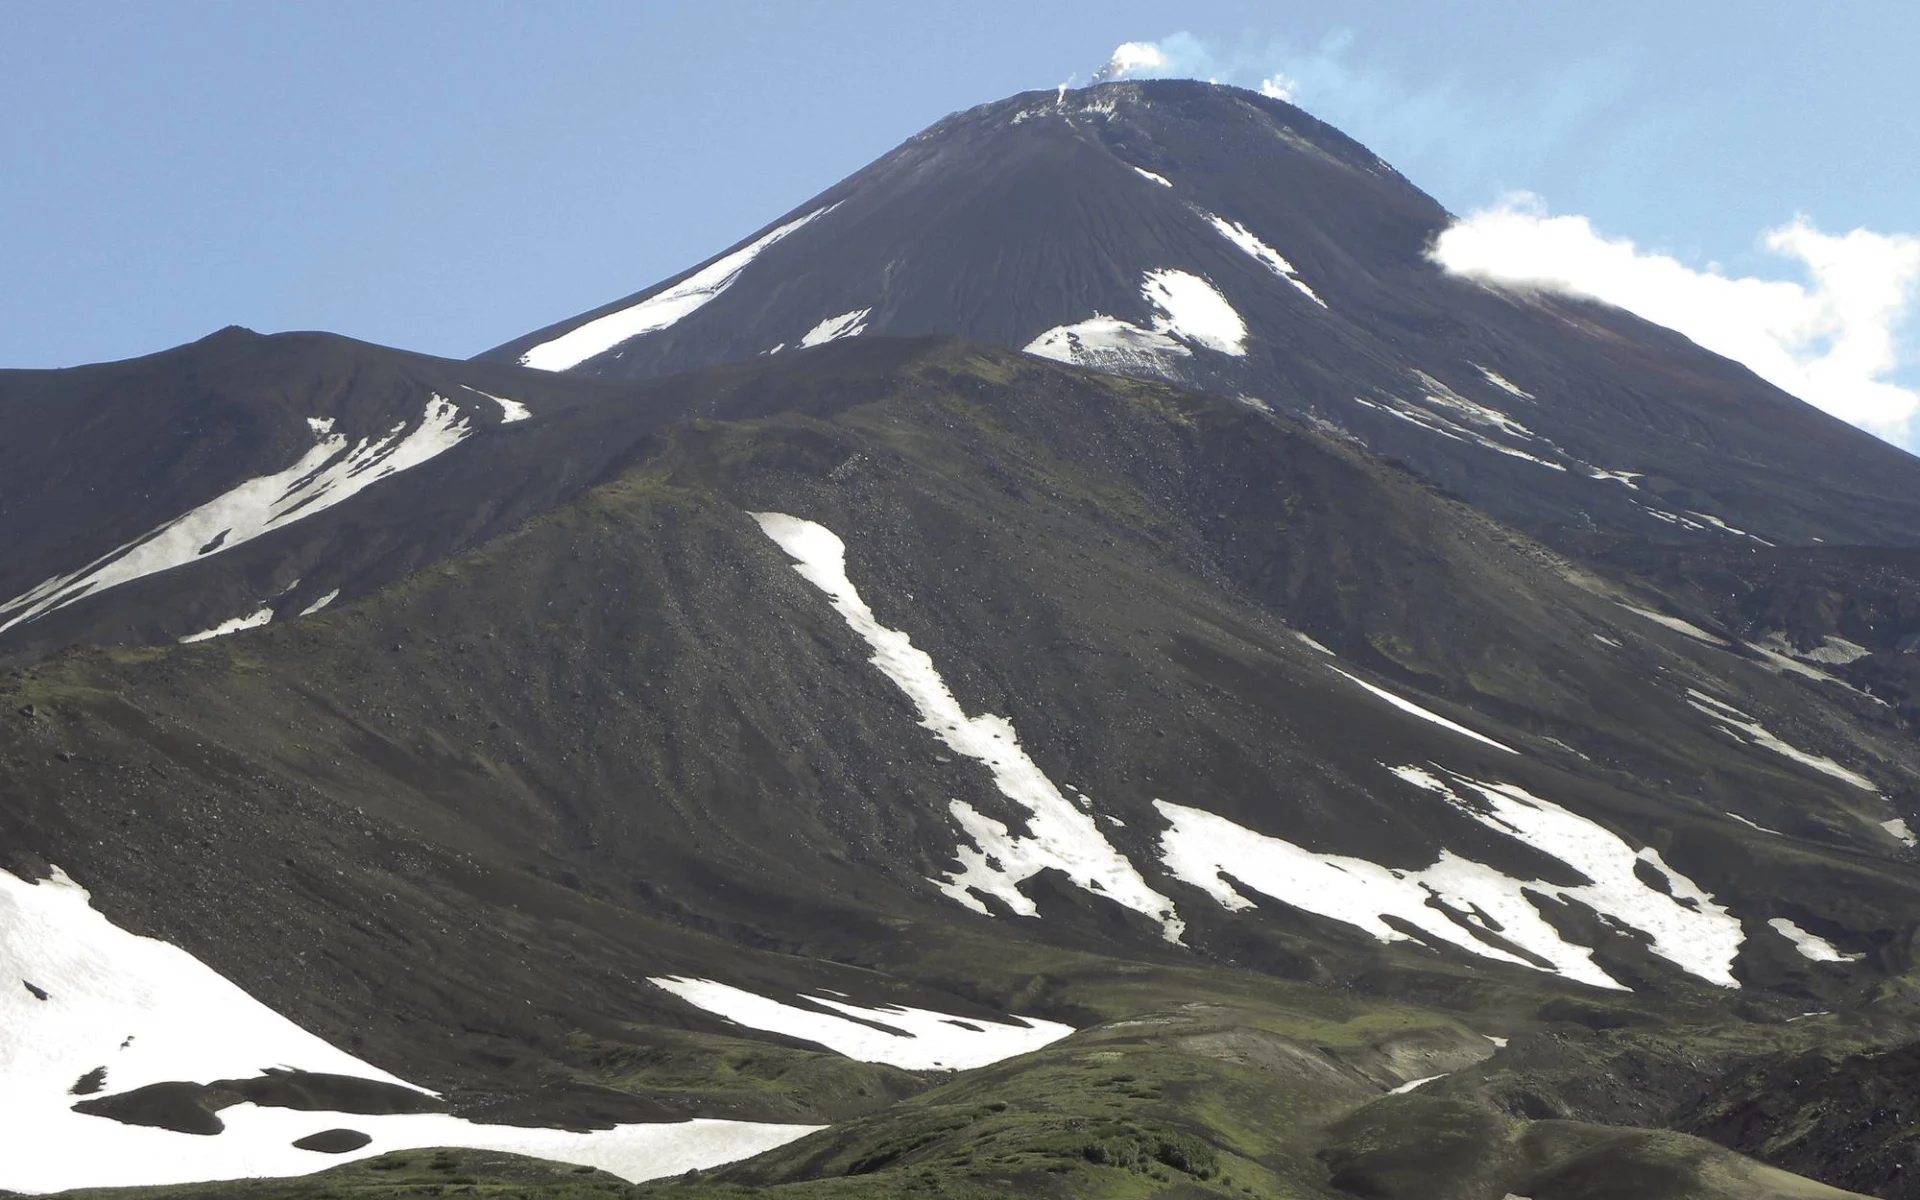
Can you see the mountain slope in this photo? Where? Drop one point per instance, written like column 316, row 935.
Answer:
column 481, row 825
column 1229, row 241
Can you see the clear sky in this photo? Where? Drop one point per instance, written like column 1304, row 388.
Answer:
column 446, row 174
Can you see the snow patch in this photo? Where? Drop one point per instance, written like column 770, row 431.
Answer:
column 510, row 410
column 1754, row 824
column 661, row 309
column 1780, row 657
column 253, row 620
column 847, row 324
column 1061, row 836
column 1439, row 394
column 1311, row 644
column 321, row 603
column 1500, row 381
column 1464, row 903
column 1109, row 344
column 913, row 1039
column 148, row 1012
column 1811, row 946
column 1833, row 651
column 1624, row 478
column 1415, row 1084
column 1262, row 253
column 1193, row 309
column 1162, row 180
column 1899, row 831
column 1408, row 706
column 328, row 474
column 1434, row 423
column 1678, row 626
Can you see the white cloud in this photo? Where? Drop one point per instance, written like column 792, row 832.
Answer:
column 1132, row 60
column 1831, row 338
column 1278, row 87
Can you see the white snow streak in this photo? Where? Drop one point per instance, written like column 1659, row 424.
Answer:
column 1060, row 835
column 1738, row 723
column 847, row 324
column 326, row 475
column 1193, row 309
column 1464, row 903
column 1899, row 831
column 151, row 1013
column 1262, row 253
column 1811, row 946
column 925, row 1040
column 659, row 310
column 1162, row 180
column 1109, row 344
column 1408, row 706
column 251, row 621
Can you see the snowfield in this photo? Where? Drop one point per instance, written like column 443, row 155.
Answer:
column 86, row 998
column 914, row 1039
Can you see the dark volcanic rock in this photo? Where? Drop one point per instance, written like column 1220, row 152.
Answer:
column 333, row 1141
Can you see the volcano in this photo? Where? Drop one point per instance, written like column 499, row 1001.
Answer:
column 1078, row 662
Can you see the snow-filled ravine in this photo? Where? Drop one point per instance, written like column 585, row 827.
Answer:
column 90, row 1011
column 1464, row 903
column 328, row 474
column 914, row 1039
column 663, row 308
column 1061, row 835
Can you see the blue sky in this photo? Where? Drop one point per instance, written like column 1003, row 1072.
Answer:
column 446, row 175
